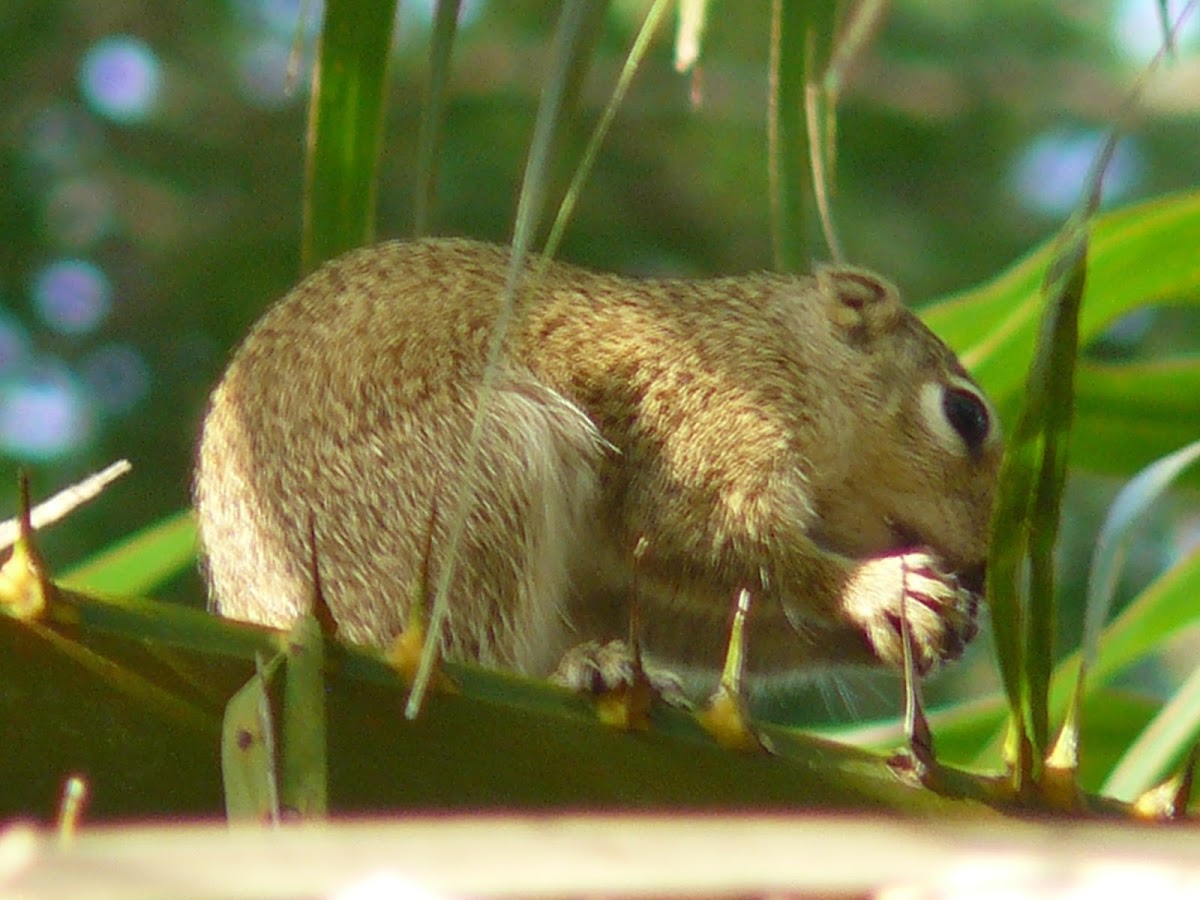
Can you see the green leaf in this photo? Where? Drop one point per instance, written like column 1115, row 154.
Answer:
column 500, row 742
column 345, row 128
column 248, row 748
column 139, row 564
column 1025, row 523
column 801, row 38
column 1138, row 256
column 1158, row 613
column 303, row 764
column 1151, row 618
column 1165, row 742
column 1168, row 32
column 574, row 40
column 1107, row 559
column 1129, row 414
column 636, row 53
column 1130, row 505
column 966, row 732
column 445, row 26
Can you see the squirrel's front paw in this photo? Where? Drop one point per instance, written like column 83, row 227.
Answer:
column 941, row 609
column 595, row 668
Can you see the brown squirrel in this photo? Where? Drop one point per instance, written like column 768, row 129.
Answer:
column 806, row 438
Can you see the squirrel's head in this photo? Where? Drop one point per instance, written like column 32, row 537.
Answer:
column 924, row 448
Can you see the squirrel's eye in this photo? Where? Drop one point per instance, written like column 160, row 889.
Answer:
column 968, row 415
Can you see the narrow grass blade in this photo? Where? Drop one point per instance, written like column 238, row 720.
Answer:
column 1064, row 295
column 820, row 108
column 1109, row 556
column 577, row 31
column 137, row 565
column 345, row 128
column 636, row 53
column 1164, row 23
column 1165, row 742
column 1025, row 525
column 574, row 40
column 1159, row 612
column 445, row 26
column 801, row 38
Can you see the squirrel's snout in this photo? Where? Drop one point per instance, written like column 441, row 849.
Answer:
column 973, row 578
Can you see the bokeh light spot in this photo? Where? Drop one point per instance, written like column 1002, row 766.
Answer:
column 72, row 296
column 117, row 376
column 120, row 78
column 43, row 414
column 1050, row 174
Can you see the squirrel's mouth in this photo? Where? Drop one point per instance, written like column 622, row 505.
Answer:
column 906, row 538
column 903, row 537
column 973, row 578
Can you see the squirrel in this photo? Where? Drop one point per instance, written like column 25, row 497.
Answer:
column 806, row 438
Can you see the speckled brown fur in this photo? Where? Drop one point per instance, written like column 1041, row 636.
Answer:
column 790, row 435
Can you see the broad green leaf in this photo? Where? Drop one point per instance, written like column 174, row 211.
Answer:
column 1107, row 559
column 137, row 565
column 1138, row 256
column 345, row 128
column 1155, row 615
column 145, row 685
column 1064, row 293
column 1127, row 415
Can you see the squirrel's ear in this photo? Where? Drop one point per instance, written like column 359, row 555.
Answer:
column 858, row 302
